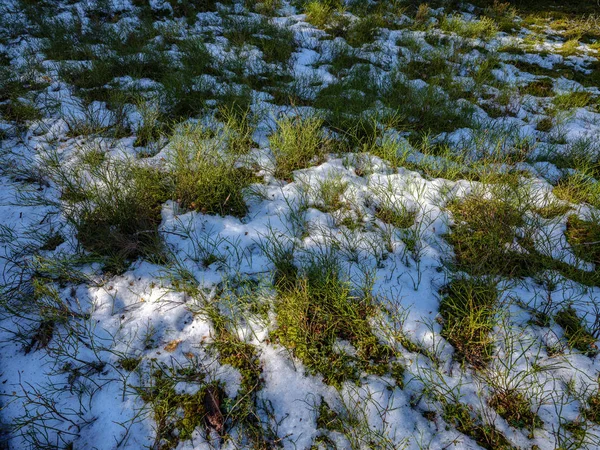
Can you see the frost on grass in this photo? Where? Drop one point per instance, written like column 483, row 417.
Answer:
column 301, row 225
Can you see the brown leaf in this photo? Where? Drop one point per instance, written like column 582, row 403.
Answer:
column 212, row 405
column 172, row 346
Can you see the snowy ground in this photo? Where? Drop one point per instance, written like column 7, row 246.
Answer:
column 194, row 349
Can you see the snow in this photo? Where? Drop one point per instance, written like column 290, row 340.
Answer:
column 139, row 313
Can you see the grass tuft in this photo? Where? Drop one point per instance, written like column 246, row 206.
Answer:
column 468, row 311
column 297, row 143
column 576, row 333
column 204, row 177
column 321, row 310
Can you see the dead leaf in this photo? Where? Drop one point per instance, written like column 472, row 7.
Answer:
column 172, row 346
column 212, row 405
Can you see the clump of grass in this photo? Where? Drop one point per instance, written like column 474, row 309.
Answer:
column 484, row 28
column 468, row 311
column 579, row 187
column 486, row 435
column 569, row 48
column 364, row 30
column 592, row 412
column 580, row 154
column 553, row 209
column 426, row 109
column 319, row 12
column 345, row 102
column 178, row 415
column 115, row 208
column 204, row 176
column 19, row 111
column 544, row 87
column 184, row 96
column 570, row 100
column 238, row 128
column 267, row 7
column 483, row 235
column 422, row 16
column 513, row 406
column 396, row 214
column 319, row 310
column 276, row 43
column 150, row 128
column 64, row 39
column 297, row 143
column 545, row 124
column 130, row 363
column 576, row 333
column 330, row 192
column 584, row 238
column 51, row 241
column 503, row 13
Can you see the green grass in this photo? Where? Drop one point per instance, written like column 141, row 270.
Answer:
column 582, row 155
column 486, row 435
column 543, row 87
column 584, row 238
column 571, row 100
column 150, row 129
column 329, row 194
column 298, row 143
column 579, row 188
column 468, row 309
column 484, row 28
column 482, row 234
column 317, row 311
column 204, row 177
column 576, row 333
column 276, row 43
column 19, row 111
column 592, row 412
column 178, row 415
column 243, row 410
column 130, row 363
column 426, row 110
column 396, row 215
column 114, row 207
column 318, row 13
column 204, row 112
column 515, row 408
